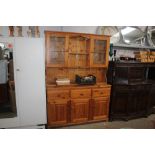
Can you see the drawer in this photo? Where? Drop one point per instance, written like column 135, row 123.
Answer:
column 98, row 92
column 59, row 102
column 57, row 94
column 81, row 93
column 104, row 99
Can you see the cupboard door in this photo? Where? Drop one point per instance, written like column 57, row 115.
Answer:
column 100, row 108
column 57, row 112
column 120, row 100
column 99, row 53
column 79, row 47
column 56, row 50
column 79, row 110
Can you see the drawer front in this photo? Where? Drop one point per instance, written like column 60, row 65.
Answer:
column 58, row 101
column 57, row 94
column 81, row 93
column 99, row 92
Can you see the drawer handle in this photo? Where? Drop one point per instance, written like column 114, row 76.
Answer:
column 101, row 93
column 81, row 94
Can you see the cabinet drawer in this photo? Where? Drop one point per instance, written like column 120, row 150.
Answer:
column 81, row 93
column 57, row 94
column 58, row 101
column 98, row 92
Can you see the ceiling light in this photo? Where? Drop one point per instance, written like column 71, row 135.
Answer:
column 125, row 31
column 127, row 41
column 128, row 30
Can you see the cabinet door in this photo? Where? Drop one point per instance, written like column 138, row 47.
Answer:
column 119, row 101
column 99, row 53
column 79, row 110
column 100, row 108
column 142, row 97
column 56, row 50
column 79, row 47
column 57, row 112
column 152, row 97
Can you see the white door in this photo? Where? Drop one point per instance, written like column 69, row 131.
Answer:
column 30, row 73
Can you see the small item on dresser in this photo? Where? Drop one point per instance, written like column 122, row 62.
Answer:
column 63, row 81
column 85, row 80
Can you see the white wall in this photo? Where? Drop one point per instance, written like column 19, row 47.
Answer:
column 88, row 29
column 82, row 29
column 4, row 30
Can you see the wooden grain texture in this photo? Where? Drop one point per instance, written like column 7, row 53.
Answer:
column 79, row 110
column 82, row 93
column 133, row 93
column 57, row 112
column 100, row 108
column 69, row 54
column 77, row 104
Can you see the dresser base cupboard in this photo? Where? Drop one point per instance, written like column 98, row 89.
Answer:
column 70, row 105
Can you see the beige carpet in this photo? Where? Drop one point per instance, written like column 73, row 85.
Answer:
column 142, row 123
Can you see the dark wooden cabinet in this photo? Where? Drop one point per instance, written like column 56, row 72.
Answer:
column 130, row 101
column 118, row 104
column 133, row 90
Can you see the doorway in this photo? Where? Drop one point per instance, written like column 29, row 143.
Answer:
column 7, row 82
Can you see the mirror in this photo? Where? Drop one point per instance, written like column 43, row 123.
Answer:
column 110, row 31
column 133, row 35
column 151, row 35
